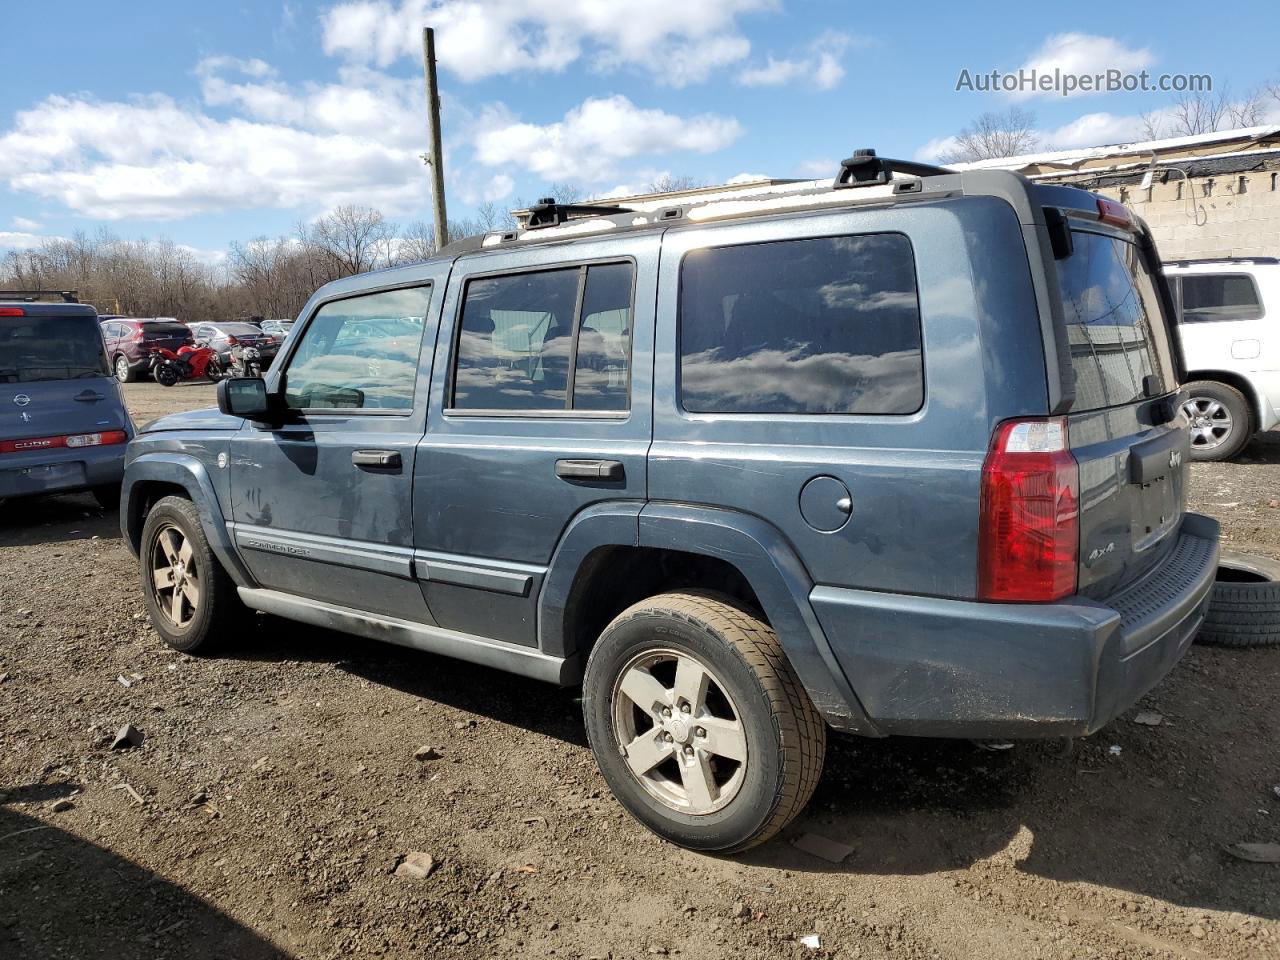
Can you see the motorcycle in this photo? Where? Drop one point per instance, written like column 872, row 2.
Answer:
column 245, row 361
column 190, row 362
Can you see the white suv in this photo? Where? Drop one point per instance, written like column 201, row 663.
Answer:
column 1229, row 323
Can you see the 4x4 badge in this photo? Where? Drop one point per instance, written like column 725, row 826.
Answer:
column 21, row 399
column 1175, row 459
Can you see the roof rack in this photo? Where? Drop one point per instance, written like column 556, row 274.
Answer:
column 1188, row 261
column 865, row 169
column 547, row 213
column 68, row 296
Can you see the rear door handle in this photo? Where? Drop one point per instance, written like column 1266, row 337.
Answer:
column 375, row 458
column 589, row 470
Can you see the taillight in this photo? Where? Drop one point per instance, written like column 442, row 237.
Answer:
column 75, row 440
column 12, row 312
column 137, row 333
column 1029, row 534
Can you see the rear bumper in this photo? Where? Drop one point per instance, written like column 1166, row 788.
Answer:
column 63, row 471
column 935, row 667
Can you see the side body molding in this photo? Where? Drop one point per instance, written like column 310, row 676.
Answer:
column 189, row 473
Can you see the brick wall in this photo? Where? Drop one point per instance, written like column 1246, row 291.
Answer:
column 1212, row 217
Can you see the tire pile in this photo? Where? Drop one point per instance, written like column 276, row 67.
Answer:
column 1245, row 608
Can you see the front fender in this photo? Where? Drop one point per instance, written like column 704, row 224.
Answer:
column 191, row 475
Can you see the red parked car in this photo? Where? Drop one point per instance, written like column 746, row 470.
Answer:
column 130, row 342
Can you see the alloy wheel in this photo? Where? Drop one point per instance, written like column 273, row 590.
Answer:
column 122, row 369
column 1210, row 422
column 679, row 731
column 175, row 579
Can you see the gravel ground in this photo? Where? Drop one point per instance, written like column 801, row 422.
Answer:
column 277, row 789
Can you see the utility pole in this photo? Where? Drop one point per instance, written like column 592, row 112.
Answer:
column 436, row 158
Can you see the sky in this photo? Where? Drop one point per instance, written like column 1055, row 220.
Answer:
column 208, row 124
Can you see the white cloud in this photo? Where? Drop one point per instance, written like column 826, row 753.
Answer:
column 936, row 149
column 22, row 240
column 588, row 143
column 1083, row 53
column 747, row 178
column 22, row 223
column 678, row 41
column 821, row 64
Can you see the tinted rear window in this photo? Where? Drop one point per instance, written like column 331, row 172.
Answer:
column 824, row 325
column 1115, row 329
column 1208, row 297
column 50, row 348
column 240, row 329
column 153, row 330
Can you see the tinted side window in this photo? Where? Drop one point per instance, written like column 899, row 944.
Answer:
column 1115, row 328
column 827, row 325
column 1207, row 297
column 360, row 353
column 546, row 340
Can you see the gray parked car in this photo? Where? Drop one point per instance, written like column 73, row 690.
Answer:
column 902, row 455
column 223, row 336
column 63, row 423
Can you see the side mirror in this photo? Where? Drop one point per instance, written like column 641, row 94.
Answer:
column 244, row 397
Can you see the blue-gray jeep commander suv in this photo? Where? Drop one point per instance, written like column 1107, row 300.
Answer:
column 897, row 455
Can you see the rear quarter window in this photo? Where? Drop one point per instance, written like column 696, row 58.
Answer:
column 1208, row 297
column 828, row 325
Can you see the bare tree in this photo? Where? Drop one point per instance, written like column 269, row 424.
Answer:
column 1248, row 112
column 352, row 240
column 1006, row 134
column 669, row 184
column 1152, row 125
column 1198, row 113
column 415, row 243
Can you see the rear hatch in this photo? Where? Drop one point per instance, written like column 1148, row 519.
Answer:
column 54, row 378
column 1123, row 426
column 157, row 334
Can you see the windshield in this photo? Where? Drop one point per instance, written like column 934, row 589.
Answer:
column 50, row 348
column 1116, row 330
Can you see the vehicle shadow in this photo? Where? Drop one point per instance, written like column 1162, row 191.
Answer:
column 1264, row 448
column 63, row 896
column 56, row 519
column 538, row 707
column 911, row 806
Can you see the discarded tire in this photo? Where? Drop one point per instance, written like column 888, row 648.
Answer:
column 1245, row 608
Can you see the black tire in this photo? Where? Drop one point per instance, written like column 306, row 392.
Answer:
column 166, row 375
column 218, row 611
column 108, row 496
column 1244, row 610
column 124, row 372
column 785, row 737
column 1201, row 393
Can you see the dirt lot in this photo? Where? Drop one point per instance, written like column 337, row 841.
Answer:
column 277, row 788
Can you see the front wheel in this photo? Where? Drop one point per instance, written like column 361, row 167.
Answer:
column 1220, row 420
column 698, row 723
column 190, row 599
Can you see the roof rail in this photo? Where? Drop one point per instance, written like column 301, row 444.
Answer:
column 547, row 213
column 68, row 296
column 865, row 169
column 1188, row 261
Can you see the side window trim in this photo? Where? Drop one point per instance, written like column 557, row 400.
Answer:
column 304, row 326
column 567, row 410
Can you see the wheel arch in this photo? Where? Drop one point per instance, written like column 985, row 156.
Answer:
column 736, row 554
column 151, row 476
column 1257, row 402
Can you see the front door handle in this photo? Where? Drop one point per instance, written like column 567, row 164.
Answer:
column 375, row 458
column 590, row 470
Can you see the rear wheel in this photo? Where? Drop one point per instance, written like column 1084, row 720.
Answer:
column 1221, row 422
column 167, row 375
column 190, row 599
column 124, row 373
column 698, row 723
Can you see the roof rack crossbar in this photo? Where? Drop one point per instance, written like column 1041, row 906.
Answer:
column 865, row 169
column 547, row 213
column 68, row 296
